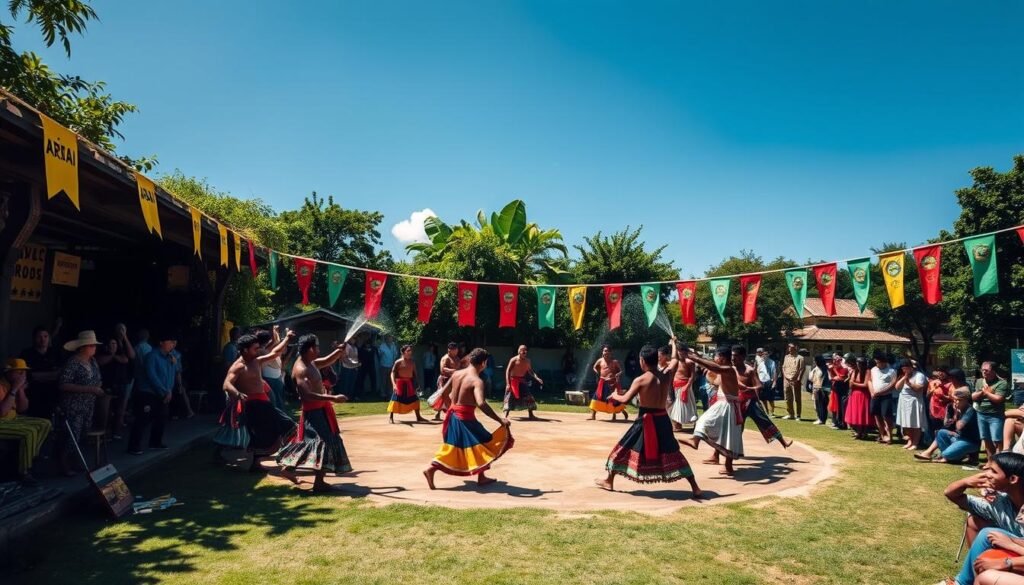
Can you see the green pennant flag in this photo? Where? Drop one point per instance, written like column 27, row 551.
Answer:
column 860, row 275
column 720, row 294
column 981, row 251
column 272, row 263
column 796, row 280
column 336, row 276
column 651, row 298
column 546, row 307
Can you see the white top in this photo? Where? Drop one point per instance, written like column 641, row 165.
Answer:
column 765, row 369
column 272, row 369
column 882, row 381
column 817, row 378
column 919, row 379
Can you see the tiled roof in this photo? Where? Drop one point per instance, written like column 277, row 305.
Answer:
column 845, row 308
column 813, row 333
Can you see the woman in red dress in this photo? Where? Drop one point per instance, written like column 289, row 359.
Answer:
column 858, row 406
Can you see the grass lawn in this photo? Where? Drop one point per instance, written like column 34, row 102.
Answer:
column 882, row 520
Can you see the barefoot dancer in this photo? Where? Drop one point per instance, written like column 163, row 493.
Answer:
column 519, row 377
column 440, row 401
column 684, row 406
column 609, row 374
column 468, row 448
column 721, row 425
column 648, row 453
column 268, row 427
column 318, row 444
column 403, row 379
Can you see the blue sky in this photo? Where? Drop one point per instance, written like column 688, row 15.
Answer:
column 801, row 129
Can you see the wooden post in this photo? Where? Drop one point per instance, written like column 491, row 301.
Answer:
column 20, row 207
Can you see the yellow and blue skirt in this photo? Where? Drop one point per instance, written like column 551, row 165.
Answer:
column 601, row 403
column 468, row 448
column 404, row 399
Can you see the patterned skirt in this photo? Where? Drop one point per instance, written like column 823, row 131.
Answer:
column 468, row 448
column 267, row 425
column 318, row 445
column 30, row 432
column 648, row 452
column 601, row 403
column 232, row 432
column 518, row 395
column 404, row 399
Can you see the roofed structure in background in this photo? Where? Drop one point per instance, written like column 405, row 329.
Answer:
column 319, row 321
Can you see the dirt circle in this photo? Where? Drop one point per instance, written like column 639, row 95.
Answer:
column 553, row 465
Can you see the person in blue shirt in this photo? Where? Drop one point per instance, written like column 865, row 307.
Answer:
column 159, row 370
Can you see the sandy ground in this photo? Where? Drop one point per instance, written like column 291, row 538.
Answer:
column 553, row 465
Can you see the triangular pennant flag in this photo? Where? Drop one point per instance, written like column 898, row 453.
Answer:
column 60, row 157
column 687, row 295
column 238, row 251
column 546, row 307
column 509, row 294
column 929, row 272
column 981, row 251
column 375, row 282
column 304, row 268
column 336, row 276
column 796, row 280
column 467, row 304
column 650, row 297
column 197, row 232
column 223, row 232
column 825, row 280
column 892, row 274
column 147, row 200
column 613, row 302
column 577, row 305
column 860, row 276
column 252, row 257
column 1020, row 232
column 272, row 265
column 428, row 294
column 720, row 294
column 750, row 284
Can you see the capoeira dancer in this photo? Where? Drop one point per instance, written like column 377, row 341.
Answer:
column 648, row 453
column 318, row 444
column 519, row 378
column 403, row 379
column 684, row 405
column 721, row 425
column 468, row 448
column 450, row 363
column 609, row 375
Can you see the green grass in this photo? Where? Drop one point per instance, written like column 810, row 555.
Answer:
column 882, row 520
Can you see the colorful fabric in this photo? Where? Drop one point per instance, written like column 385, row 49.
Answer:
column 647, row 452
column 29, row 432
column 981, row 252
column 721, row 426
column 267, row 425
column 78, row 407
column 684, row 407
column 601, row 401
column 318, row 444
column 860, row 276
column 232, row 432
column 858, row 405
column 404, row 399
column 518, row 395
column 438, row 401
column 752, row 409
column 468, row 449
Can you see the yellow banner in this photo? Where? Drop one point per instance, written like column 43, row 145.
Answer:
column 27, row 282
column 577, row 302
column 66, row 269
column 238, row 252
column 147, row 199
column 892, row 273
column 223, row 245
column 197, row 232
column 60, row 153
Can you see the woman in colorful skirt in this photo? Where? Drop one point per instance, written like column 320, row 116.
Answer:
column 648, row 452
column 468, row 449
column 608, row 375
column 403, row 379
column 858, row 405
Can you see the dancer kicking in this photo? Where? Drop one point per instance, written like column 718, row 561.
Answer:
column 318, row 444
column 647, row 452
column 609, row 374
column 721, row 425
column 468, row 448
column 403, row 379
column 684, row 406
column 519, row 377
column 440, row 401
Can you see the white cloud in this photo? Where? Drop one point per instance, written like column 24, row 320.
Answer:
column 411, row 230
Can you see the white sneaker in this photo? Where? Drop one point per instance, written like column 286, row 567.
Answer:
column 787, row 417
column 817, row 422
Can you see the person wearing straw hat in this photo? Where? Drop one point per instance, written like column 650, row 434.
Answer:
column 28, row 431
column 80, row 384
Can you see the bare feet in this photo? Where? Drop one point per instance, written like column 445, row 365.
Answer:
column 677, row 428
column 698, row 494
column 711, row 461
column 419, row 418
column 690, row 442
column 625, row 415
column 787, row 443
column 483, row 480
column 726, row 472
column 429, row 474
column 593, row 415
column 604, row 484
column 391, row 419
column 531, row 417
column 922, row 457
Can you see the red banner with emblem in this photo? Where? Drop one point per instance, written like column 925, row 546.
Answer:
column 613, row 301
column 929, row 272
column 508, row 301
column 375, row 282
column 1020, row 232
column 252, row 258
column 428, row 292
column 750, row 285
column 467, row 304
column 687, row 295
column 825, row 278
column 304, row 269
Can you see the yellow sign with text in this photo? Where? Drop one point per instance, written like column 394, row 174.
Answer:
column 147, row 199
column 60, row 153
column 27, row 282
column 66, row 269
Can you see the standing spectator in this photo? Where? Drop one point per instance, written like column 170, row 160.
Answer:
column 272, row 370
column 230, row 351
column 910, row 414
column 430, row 358
column 839, row 374
column 349, row 368
column 80, row 384
column 819, row 374
column 569, row 367
column 989, row 398
column 367, row 369
column 154, row 395
column 28, row 431
column 180, row 391
column 940, row 397
column 964, row 441
column 45, row 362
column 387, row 353
column 488, row 374
column 115, row 369
column 792, row 376
column 858, row 406
column 768, row 374
column 881, row 384
column 142, row 349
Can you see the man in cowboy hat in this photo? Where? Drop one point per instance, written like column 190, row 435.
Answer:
column 28, row 431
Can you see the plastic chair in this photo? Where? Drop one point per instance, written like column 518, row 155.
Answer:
column 97, row 435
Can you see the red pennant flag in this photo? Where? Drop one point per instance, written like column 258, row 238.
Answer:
column 375, row 282
column 687, row 295
column 1020, row 232
column 750, row 285
column 509, row 294
column 428, row 292
column 304, row 269
column 613, row 301
column 467, row 304
column 929, row 272
column 252, row 258
column 825, row 277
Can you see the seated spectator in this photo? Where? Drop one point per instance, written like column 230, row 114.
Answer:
column 28, row 431
column 44, row 361
column 965, row 441
column 80, row 384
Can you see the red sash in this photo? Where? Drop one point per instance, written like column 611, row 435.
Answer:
column 677, row 384
column 309, row 406
column 651, row 449
column 600, row 387
column 740, row 407
column 258, row 397
column 404, row 387
column 514, row 383
column 462, row 411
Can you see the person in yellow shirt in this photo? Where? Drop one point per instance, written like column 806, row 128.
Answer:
column 28, row 431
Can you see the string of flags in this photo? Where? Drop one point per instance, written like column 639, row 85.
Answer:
column 60, row 152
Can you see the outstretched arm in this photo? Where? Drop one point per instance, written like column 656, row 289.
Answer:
column 278, row 350
column 634, row 389
column 323, row 362
column 708, row 364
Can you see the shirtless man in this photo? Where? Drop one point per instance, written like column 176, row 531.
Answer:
column 518, row 376
column 403, row 380
column 450, row 363
column 609, row 379
column 684, row 404
column 721, row 426
column 468, row 392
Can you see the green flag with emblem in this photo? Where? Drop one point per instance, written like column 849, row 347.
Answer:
column 546, row 307
column 796, row 280
column 720, row 294
column 860, row 275
column 981, row 251
column 651, row 298
column 336, row 276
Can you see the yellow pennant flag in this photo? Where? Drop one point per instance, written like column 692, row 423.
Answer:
column 197, row 232
column 238, row 252
column 60, row 154
column 892, row 273
column 147, row 199
column 577, row 302
column 223, row 245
